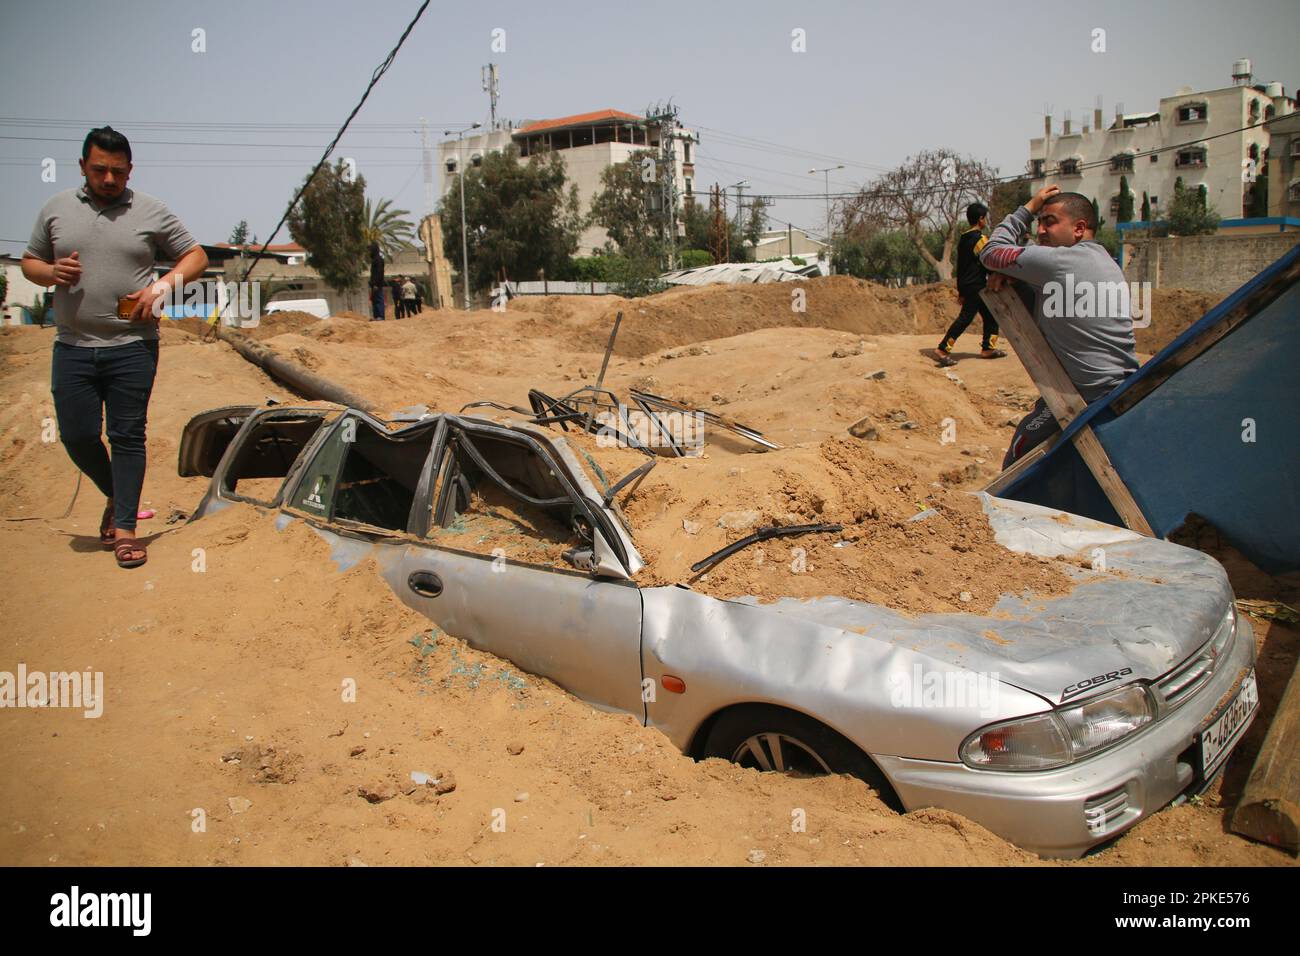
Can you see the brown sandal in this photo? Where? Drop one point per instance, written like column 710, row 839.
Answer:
column 125, row 546
column 107, row 534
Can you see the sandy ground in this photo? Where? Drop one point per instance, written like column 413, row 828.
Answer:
column 225, row 735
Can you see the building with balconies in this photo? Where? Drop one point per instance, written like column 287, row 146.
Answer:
column 1200, row 137
column 587, row 144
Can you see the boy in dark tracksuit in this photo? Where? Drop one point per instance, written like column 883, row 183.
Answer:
column 971, row 276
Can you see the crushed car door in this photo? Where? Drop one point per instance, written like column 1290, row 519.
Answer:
column 504, row 566
column 248, row 452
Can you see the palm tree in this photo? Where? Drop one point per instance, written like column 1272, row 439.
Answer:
column 386, row 226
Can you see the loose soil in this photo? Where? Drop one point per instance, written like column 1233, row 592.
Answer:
column 263, row 707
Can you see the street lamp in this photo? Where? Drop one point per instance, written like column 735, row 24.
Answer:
column 740, row 188
column 827, row 173
column 464, row 239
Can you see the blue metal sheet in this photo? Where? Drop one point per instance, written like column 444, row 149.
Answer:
column 1183, row 448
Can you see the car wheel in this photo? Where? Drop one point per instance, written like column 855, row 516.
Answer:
column 770, row 738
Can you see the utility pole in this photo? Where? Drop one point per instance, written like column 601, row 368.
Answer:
column 719, row 234
column 464, row 236
column 665, row 118
column 428, row 166
column 827, row 174
column 491, row 86
column 739, row 187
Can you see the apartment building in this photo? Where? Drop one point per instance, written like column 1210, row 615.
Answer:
column 1199, row 137
column 587, row 144
column 1284, row 168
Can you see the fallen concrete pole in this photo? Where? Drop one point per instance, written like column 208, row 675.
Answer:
column 307, row 383
column 1269, row 809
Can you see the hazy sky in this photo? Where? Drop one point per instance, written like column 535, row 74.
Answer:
column 877, row 82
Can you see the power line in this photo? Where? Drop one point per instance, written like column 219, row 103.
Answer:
column 209, row 126
column 768, row 145
column 1056, row 171
column 374, row 79
column 174, row 142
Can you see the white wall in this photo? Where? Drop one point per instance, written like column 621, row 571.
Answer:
column 19, row 293
column 583, row 166
column 1227, row 109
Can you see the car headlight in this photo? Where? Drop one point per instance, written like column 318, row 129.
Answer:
column 1060, row 737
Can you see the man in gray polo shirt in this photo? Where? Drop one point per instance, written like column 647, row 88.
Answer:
column 97, row 245
column 1081, row 300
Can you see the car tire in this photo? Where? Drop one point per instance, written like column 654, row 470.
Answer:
column 765, row 737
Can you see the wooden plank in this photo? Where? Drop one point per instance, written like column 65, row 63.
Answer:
column 1015, row 322
column 1020, row 466
column 1085, row 440
column 1269, row 809
column 1063, row 399
column 1259, row 299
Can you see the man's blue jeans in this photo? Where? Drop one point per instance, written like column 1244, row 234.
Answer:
column 92, row 386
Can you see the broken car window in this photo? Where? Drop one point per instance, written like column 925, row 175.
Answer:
column 266, row 455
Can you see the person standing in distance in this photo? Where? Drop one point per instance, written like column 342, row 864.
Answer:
column 376, row 283
column 408, row 297
column 971, row 277
column 98, row 246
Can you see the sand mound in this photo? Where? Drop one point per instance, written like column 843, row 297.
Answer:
column 688, row 314
column 247, row 659
column 1173, row 311
column 688, row 508
column 277, row 323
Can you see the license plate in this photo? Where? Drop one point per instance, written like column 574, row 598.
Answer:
column 1218, row 739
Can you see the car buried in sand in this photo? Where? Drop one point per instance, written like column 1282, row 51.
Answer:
column 1089, row 712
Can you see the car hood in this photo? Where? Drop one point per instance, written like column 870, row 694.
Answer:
column 1154, row 606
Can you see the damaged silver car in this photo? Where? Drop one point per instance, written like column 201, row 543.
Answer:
column 1087, row 715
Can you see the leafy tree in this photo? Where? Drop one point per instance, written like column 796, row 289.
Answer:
column 239, row 235
column 1189, row 213
column 1258, row 202
column 4, row 287
column 1109, row 239
column 698, row 220
column 881, row 256
column 519, row 217
column 694, row 258
column 928, row 193
column 1007, row 197
column 1146, row 207
column 42, row 307
column 386, row 226
column 1125, row 201
column 756, row 223
column 625, row 206
column 329, row 222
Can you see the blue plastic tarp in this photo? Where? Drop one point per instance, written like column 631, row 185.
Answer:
column 1219, row 438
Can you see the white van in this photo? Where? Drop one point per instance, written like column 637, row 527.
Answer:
column 317, row 307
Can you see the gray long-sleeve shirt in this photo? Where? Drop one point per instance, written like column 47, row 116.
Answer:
column 1081, row 303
